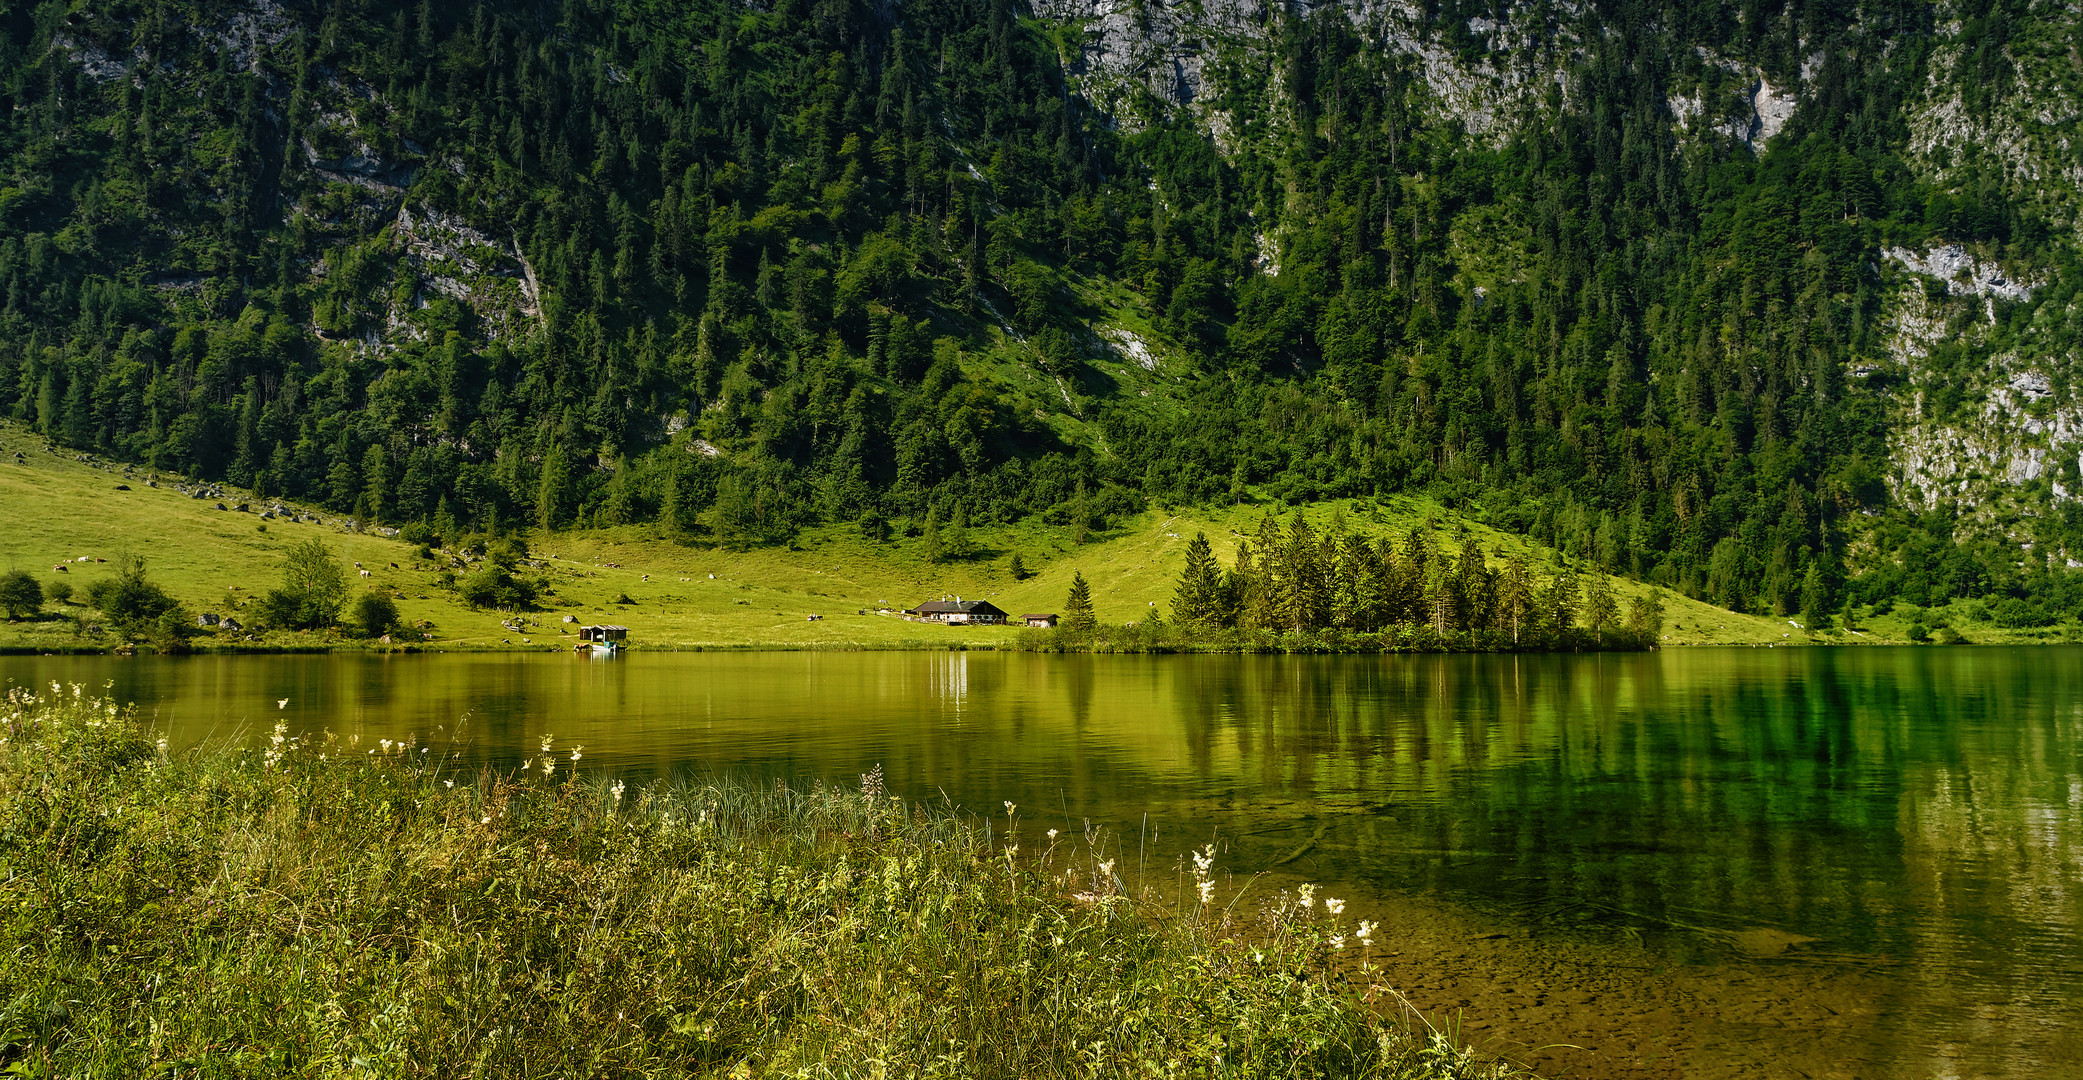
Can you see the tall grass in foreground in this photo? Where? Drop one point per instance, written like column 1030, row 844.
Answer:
column 333, row 909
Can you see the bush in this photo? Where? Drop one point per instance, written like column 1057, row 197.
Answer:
column 170, row 633
column 20, row 594
column 495, row 586
column 58, row 592
column 374, row 614
column 1919, row 633
column 2015, row 614
column 314, row 587
column 130, row 600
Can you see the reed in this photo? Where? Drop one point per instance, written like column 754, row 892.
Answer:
column 322, row 907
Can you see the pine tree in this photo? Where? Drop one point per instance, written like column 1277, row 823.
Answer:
column 1600, row 608
column 1302, row 599
column 1078, row 620
column 376, row 483
column 954, row 540
column 551, row 493
column 1193, row 603
column 1645, row 617
column 1561, row 615
column 1017, row 569
column 1815, row 596
column 1515, row 598
column 935, row 551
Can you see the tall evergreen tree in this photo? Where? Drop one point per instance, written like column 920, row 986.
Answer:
column 1078, row 619
column 1194, row 602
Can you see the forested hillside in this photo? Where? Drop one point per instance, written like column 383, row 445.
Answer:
column 1771, row 303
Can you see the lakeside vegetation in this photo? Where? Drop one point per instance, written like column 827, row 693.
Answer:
column 313, row 906
column 684, row 595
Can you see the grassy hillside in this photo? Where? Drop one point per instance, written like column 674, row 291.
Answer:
column 687, row 596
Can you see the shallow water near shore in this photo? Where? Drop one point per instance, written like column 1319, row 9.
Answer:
column 1698, row 863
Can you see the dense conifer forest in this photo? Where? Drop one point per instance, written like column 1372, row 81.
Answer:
column 739, row 268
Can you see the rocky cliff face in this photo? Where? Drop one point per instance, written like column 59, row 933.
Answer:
column 1983, row 416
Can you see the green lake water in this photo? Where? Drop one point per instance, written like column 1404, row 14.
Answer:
column 1704, row 862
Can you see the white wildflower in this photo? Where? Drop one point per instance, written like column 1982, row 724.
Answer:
column 1207, row 890
column 575, row 752
column 616, row 791
column 1338, row 942
column 546, row 741
column 448, row 783
column 1305, row 897
column 1009, row 808
column 1334, row 905
column 1365, row 933
column 1052, row 832
column 1204, row 860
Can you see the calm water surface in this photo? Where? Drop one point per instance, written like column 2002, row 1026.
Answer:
column 1741, row 862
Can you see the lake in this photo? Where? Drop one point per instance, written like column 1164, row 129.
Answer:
column 1850, row 862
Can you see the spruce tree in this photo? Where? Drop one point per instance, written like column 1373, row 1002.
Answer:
column 1645, row 617
column 1515, row 598
column 1078, row 620
column 931, row 542
column 1017, row 569
column 1193, row 603
column 1562, row 605
column 1600, row 608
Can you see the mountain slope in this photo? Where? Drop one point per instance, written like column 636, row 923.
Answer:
column 1767, row 305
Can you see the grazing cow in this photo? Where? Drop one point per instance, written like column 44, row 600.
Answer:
column 365, row 573
column 60, row 569
column 394, row 566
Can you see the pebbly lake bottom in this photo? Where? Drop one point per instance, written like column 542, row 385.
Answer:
column 1695, row 863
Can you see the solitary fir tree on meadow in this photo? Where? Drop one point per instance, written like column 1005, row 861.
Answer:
column 1078, row 619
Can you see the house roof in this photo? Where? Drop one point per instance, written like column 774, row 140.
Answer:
column 1046, row 615
column 604, row 627
column 958, row 607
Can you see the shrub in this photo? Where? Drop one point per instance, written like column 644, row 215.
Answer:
column 495, row 586
column 130, row 599
column 1918, row 632
column 2013, row 613
column 374, row 614
column 20, row 594
column 314, row 587
column 58, row 592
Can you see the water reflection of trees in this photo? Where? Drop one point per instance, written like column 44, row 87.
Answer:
column 1917, row 805
column 1924, row 805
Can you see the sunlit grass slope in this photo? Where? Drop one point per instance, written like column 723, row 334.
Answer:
column 690, row 595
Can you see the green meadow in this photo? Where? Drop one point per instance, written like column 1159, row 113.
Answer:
column 676, row 593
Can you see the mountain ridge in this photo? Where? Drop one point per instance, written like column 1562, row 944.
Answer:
column 1736, row 303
